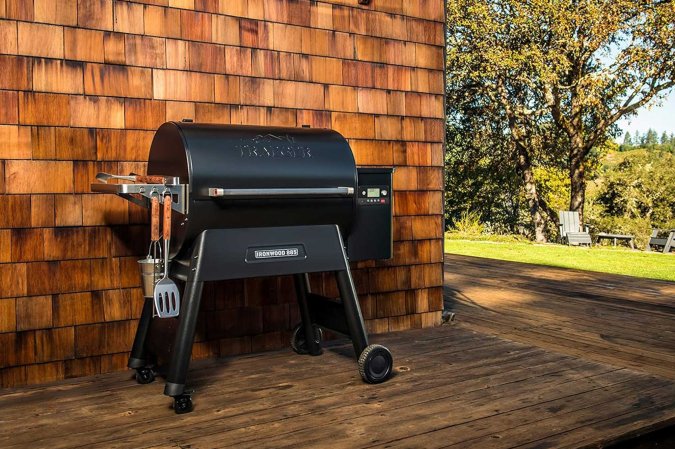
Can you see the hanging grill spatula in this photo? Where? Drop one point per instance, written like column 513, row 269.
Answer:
column 167, row 297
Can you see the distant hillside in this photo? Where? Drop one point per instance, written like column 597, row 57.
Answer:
column 651, row 140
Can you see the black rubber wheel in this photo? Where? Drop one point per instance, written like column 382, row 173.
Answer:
column 145, row 376
column 182, row 404
column 299, row 342
column 375, row 364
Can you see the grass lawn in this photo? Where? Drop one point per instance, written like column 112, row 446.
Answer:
column 602, row 259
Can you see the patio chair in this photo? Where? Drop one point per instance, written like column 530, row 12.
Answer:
column 661, row 241
column 571, row 231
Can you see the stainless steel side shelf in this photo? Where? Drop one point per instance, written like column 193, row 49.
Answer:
column 142, row 194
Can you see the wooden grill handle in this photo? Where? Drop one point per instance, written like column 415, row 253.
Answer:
column 154, row 219
column 167, row 217
column 150, row 179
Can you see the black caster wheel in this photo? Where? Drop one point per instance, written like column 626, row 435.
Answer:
column 145, row 376
column 375, row 364
column 299, row 342
column 182, row 404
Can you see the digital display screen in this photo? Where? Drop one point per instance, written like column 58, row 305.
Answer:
column 374, row 193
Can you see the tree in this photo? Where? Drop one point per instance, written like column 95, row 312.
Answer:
column 627, row 140
column 665, row 140
column 481, row 179
column 651, row 138
column 560, row 74
column 481, row 176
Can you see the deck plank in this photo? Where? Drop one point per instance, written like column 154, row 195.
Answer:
column 483, row 432
column 535, row 358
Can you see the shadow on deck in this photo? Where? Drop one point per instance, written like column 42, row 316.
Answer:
column 538, row 358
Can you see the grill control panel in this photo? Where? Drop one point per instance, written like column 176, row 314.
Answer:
column 371, row 236
column 373, row 195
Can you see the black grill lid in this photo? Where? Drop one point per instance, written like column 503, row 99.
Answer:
column 250, row 176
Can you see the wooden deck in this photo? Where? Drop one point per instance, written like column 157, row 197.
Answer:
column 622, row 320
column 538, row 358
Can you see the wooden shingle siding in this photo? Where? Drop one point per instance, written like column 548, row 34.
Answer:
column 128, row 17
column 96, row 14
column 36, row 39
column 114, row 48
column 102, row 112
column 84, row 85
column 83, row 45
column 63, row 12
column 144, row 51
column 8, row 36
column 16, row 140
column 158, row 21
column 53, row 75
column 117, row 81
column 16, row 72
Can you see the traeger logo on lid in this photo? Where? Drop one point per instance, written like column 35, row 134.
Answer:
column 272, row 253
column 273, row 147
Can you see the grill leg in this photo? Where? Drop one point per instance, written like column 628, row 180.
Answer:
column 185, row 335
column 357, row 329
column 138, row 358
column 302, row 289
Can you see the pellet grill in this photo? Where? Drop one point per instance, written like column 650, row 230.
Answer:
column 247, row 201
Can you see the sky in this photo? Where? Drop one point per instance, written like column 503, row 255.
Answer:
column 659, row 118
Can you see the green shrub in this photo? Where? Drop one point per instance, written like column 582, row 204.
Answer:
column 469, row 224
column 640, row 227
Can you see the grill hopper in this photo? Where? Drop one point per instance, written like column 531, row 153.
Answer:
column 253, row 169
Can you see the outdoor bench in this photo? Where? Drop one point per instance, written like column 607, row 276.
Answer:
column 616, row 237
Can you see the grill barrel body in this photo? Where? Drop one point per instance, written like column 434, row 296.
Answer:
column 263, row 164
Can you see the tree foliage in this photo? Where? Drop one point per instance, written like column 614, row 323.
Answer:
column 550, row 78
column 481, row 174
column 634, row 194
column 642, row 185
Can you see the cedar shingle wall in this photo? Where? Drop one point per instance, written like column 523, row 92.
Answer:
column 83, row 85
